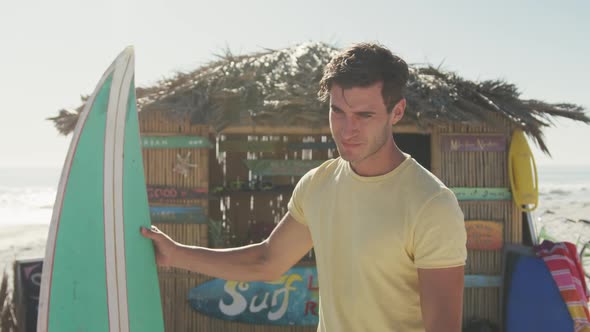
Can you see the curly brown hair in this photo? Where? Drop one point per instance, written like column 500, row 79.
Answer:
column 365, row 64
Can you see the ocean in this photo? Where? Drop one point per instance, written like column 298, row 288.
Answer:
column 564, row 183
column 27, row 195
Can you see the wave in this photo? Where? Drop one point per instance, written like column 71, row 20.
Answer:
column 28, row 197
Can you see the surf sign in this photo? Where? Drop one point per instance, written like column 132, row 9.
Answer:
column 290, row 300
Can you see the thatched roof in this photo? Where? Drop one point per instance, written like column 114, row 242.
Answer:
column 279, row 87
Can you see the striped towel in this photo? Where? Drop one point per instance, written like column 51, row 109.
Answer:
column 562, row 260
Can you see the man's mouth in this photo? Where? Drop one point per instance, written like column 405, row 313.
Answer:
column 350, row 144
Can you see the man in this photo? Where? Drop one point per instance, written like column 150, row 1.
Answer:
column 388, row 236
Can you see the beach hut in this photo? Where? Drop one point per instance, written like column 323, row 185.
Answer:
column 224, row 145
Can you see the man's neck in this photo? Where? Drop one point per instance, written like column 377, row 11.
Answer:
column 383, row 162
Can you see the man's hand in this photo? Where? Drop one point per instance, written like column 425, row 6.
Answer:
column 164, row 246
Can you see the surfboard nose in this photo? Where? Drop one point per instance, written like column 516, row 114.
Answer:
column 127, row 55
column 128, row 51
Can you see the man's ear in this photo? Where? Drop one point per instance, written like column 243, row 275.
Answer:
column 398, row 111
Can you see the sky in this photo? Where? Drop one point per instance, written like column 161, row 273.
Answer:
column 55, row 51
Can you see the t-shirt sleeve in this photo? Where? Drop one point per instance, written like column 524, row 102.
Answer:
column 439, row 236
column 296, row 203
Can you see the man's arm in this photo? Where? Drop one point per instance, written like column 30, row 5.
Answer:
column 264, row 261
column 441, row 298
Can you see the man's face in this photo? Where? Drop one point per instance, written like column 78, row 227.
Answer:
column 359, row 121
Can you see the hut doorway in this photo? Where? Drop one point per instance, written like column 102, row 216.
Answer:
column 416, row 145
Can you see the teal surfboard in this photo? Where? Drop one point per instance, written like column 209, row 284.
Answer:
column 99, row 273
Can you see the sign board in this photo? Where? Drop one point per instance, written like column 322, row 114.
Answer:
column 169, row 142
column 28, row 283
column 177, row 214
column 271, row 167
column 470, row 143
column 482, row 194
column 482, row 281
column 158, row 193
column 290, row 300
column 484, row 235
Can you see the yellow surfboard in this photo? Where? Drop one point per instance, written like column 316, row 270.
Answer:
column 522, row 171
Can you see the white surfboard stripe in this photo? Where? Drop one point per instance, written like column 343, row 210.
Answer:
column 45, row 290
column 118, row 197
column 113, row 200
column 108, row 192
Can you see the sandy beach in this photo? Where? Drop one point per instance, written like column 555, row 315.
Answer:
column 564, row 215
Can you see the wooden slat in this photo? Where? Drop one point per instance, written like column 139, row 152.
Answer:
column 482, row 281
column 481, row 194
column 171, row 142
column 178, row 214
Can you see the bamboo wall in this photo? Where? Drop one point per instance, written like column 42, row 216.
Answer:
column 159, row 170
column 483, row 170
column 242, row 212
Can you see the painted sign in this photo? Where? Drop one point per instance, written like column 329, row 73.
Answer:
column 158, row 193
column 163, row 142
column 484, row 235
column 482, row 194
column 482, row 281
column 290, row 300
column 178, row 214
column 28, row 283
column 293, row 299
column 271, row 167
column 463, row 143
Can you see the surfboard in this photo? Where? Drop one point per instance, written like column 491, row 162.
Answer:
column 291, row 300
column 522, row 172
column 99, row 273
column 531, row 299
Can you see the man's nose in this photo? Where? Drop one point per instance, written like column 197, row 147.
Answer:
column 351, row 127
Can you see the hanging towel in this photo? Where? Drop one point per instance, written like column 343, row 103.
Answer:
column 562, row 260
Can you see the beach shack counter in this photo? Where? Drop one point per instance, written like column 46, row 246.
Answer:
column 224, row 145
column 231, row 189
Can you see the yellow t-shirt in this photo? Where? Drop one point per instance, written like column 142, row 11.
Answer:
column 370, row 234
